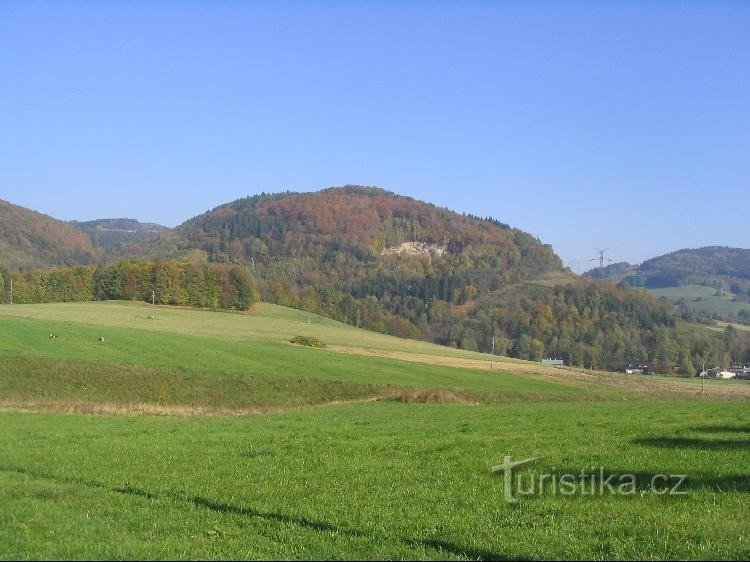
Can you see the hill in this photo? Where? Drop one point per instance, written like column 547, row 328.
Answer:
column 29, row 239
column 720, row 277
column 107, row 233
column 393, row 265
column 363, row 224
column 719, row 267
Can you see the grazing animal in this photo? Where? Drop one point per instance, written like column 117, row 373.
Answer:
column 101, row 338
column 52, row 337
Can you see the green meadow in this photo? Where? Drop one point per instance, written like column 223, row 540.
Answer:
column 190, row 434
column 703, row 299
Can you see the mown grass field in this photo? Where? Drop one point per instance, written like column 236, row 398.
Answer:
column 263, row 449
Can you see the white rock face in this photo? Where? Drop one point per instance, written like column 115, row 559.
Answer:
column 416, row 249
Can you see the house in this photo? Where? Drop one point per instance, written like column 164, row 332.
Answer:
column 637, row 367
column 720, row 373
column 553, row 362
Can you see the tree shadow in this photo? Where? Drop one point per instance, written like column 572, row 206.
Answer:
column 693, row 443
column 722, row 428
column 300, row 521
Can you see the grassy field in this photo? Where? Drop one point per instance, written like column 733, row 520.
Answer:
column 702, row 299
column 372, row 447
column 265, row 323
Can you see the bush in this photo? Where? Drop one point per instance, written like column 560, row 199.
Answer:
column 308, row 341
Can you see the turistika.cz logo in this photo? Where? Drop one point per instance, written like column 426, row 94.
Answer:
column 593, row 482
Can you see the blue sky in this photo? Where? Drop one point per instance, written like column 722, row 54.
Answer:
column 623, row 125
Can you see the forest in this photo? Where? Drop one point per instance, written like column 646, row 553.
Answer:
column 186, row 283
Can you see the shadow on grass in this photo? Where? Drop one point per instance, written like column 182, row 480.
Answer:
column 722, row 429
column 312, row 524
column 693, row 443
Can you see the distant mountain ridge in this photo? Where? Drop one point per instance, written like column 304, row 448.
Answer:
column 108, row 233
column 29, row 239
column 119, row 224
column 719, row 267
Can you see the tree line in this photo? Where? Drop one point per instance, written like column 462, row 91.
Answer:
column 187, row 283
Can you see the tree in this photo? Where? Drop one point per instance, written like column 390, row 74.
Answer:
column 685, row 366
column 522, row 349
column 247, row 292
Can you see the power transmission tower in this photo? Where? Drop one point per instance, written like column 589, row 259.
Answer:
column 600, row 259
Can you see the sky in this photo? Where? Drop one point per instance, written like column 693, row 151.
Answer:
column 618, row 125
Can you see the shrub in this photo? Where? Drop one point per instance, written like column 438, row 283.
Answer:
column 308, row 341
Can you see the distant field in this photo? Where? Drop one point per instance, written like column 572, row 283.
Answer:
column 702, row 299
column 373, row 447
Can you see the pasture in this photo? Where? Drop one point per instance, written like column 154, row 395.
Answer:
column 208, row 435
column 703, row 299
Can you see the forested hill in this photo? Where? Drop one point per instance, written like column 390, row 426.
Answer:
column 396, row 265
column 390, row 264
column 351, row 224
column 30, row 239
column 108, row 233
column 718, row 267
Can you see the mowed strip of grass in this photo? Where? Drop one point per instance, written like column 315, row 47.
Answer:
column 141, row 365
column 380, row 480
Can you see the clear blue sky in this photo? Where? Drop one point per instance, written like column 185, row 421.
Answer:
column 589, row 124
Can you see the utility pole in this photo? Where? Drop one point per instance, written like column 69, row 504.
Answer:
column 11, row 290
column 492, row 354
column 153, row 298
column 357, row 317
